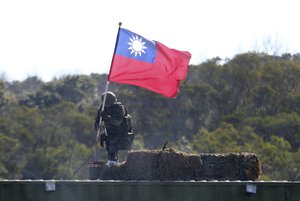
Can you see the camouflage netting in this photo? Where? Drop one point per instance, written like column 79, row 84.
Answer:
column 175, row 165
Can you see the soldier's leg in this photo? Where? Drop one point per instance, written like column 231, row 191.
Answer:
column 112, row 152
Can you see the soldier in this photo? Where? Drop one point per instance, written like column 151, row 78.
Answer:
column 117, row 123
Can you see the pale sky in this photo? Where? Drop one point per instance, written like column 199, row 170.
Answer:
column 58, row 37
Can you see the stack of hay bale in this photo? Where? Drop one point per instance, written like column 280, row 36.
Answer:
column 173, row 165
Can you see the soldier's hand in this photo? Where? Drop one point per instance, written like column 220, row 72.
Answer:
column 104, row 115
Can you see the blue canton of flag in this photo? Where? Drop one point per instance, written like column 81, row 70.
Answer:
column 134, row 46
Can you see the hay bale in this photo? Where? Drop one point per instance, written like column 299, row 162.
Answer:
column 175, row 165
column 230, row 166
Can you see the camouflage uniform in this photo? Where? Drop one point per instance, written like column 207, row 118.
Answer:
column 115, row 124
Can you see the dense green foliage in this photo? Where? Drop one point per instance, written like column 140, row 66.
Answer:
column 250, row 103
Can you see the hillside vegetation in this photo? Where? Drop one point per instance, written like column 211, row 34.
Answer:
column 250, row 103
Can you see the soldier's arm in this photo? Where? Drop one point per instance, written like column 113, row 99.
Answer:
column 97, row 119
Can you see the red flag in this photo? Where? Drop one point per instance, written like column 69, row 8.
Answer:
column 148, row 64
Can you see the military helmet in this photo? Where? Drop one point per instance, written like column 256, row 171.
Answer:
column 111, row 98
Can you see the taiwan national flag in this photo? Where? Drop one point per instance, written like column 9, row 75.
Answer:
column 148, row 64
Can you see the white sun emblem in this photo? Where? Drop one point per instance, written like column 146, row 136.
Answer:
column 137, row 46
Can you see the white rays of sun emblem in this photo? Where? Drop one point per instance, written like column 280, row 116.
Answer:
column 137, row 46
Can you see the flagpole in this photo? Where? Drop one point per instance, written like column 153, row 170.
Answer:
column 105, row 92
column 100, row 120
column 117, row 40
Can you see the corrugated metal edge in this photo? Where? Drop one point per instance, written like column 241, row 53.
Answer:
column 152, row 182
